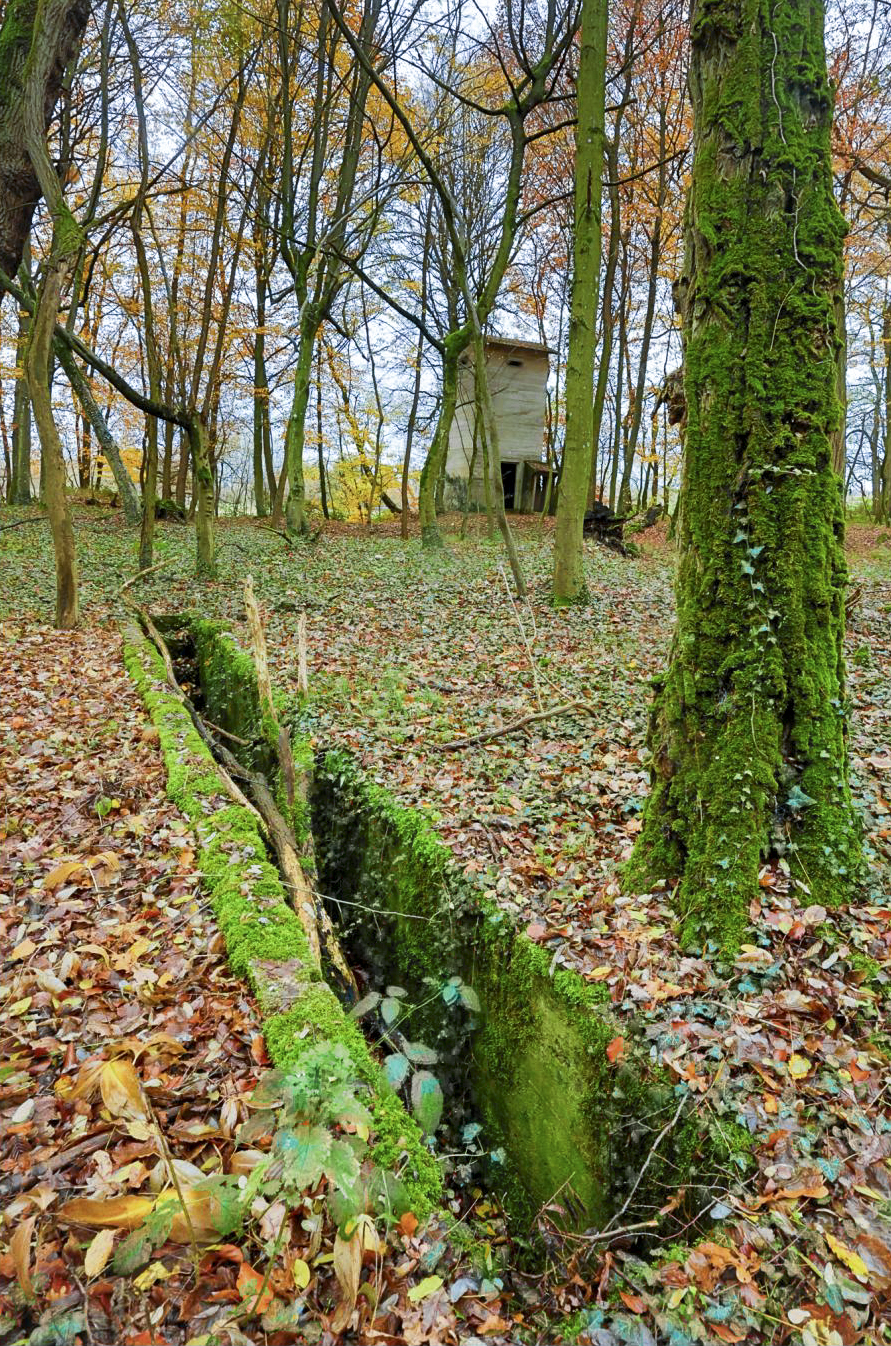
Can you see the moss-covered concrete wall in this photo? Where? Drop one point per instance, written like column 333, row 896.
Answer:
column 575, row 1124
column 265, row 940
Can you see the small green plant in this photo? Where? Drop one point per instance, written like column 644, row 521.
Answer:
column 314, row 1126
column 305, row 1110
column 402, row 1064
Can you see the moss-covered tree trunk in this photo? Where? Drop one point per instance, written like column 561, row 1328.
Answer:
column 453, row 345
column 204, row 498
column 295, row 435
column 748, row 729
column 37, row 372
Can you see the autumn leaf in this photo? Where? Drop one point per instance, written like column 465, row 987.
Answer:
column 615, row 1050
column 99, row 1252
column 428, row 1286
column 20, row 1251
column 852, row 1260
column 347, row 1269
column 121, row 1091
column 255, row 1296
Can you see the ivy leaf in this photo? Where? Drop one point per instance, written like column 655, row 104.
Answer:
column 469, row 998
column 396, row 1067
column 390, row 1010
column 798, row 799
column 427, row 1100
column 366, row 1004
column 420, row 1054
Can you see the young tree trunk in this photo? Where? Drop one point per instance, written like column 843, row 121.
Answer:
column 261, row 385
column 110, row 449
column 436, row 455
column 748, row 729
column 295, row 434
column 203, row 498
column 37, row 372
column 410, row 435
column 20, row 492
column 569, row 578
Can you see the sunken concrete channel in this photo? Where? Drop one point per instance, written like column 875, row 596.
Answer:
column 558, row 1125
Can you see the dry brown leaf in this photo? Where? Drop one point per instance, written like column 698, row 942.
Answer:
column 348, row 1270
column 62, row 873
column 20, row 1251
column 192, row 1216
column 99, row 1252
column 118, row 1212
column 121, row 1090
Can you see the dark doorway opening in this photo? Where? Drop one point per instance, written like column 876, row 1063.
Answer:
column 509, row 483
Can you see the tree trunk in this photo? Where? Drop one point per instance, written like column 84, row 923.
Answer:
column 295, row 435
column 204, row 497
column 438, row 451
column 410, row 436
column 748, row 730
column 107, row 442
column 261, row 390
column 20, row 493
column 569, row 577
column 883, row 513
column 37, row 372
column 38, row 38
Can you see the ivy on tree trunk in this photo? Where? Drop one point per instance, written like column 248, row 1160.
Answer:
column 748, row 730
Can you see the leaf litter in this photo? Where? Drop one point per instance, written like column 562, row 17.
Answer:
column 130, row 1053
column 788, row 1049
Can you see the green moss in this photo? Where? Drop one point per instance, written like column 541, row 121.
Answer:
column 265, row 941
column 229, row 686
column 567, row 1117
column 749, row 727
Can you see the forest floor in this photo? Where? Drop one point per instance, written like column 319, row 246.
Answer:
column 409, row 653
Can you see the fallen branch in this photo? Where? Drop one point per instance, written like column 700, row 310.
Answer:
column 313, row 917
column 267, row 528
column 20, row 1182
column 227, row 733
column 264, row 687
column 20, row 523
column 140, row 575
column 569, row 707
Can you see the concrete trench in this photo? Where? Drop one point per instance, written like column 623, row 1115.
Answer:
column 559, row 1129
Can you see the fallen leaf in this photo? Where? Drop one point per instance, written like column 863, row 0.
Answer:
column 852, row 1260
column 255, row 1295
column 615, row 1050
column 428, row 1286
column 348, row 1269
column 98, row 1252
column 20, row 1251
